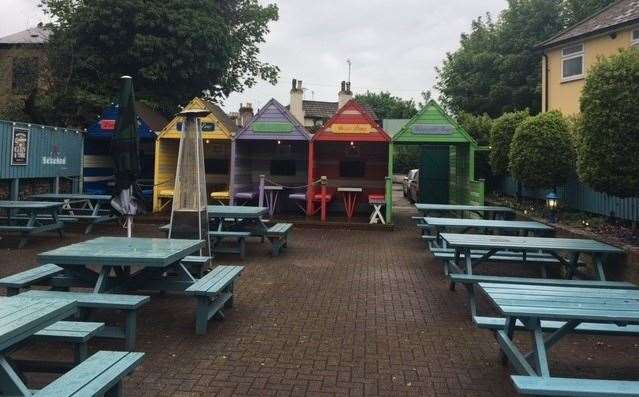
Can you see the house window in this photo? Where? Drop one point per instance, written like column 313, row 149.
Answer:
column 25, row 74
column 635, row 37
column 572, row 62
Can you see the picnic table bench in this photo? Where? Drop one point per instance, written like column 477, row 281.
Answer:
column 218, row 236
column 37, row 276
column 484, row 211
column 214, row 292
column 465, row 243
column 92, row 209
column 572, row 305
column 278, row 236
column 30, row 217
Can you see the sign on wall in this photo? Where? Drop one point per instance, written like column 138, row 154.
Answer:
column 20, row 146
column 432, row 129
column 350, row 128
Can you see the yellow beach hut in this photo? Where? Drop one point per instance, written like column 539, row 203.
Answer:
column 217, row 132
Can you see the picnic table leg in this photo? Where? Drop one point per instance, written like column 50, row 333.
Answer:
column 130, row 329
column 598, row 262
column 103, row 280
column 30, row 223
column 553, row 338
column 541, row 358
column 56, row 219
column 469, row 261
column 10, row 382
column 509, row 331
column 574, row 261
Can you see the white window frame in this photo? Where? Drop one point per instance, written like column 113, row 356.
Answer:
column 567, row 57
column 634, row 37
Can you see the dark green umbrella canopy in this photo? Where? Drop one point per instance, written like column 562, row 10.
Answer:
column 125, row 145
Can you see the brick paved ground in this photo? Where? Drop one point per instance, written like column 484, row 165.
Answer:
column 342, row 312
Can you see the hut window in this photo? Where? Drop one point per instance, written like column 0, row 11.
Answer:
column 635, row 37
column 216, row 166
column 178, row 126
column 572, row 62
column 25, row 74
column 208, row 127
column 352, row 169
column 283, row 167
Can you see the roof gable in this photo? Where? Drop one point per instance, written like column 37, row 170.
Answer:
column 432, row 125
column 223, row 126
column 351, row 123
column 35, row 35
column 273, row 122
column 618, row 14
column 105, row 127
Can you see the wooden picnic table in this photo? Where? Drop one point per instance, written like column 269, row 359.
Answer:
column 464, row 243
column 485, row 211
column 239, row 218
column 462, row 225
column 21, row 318
column 158, row 260
column 271, row 194
column 349, row 195
column 574, row 305
column 90, row 208
column 30, row 217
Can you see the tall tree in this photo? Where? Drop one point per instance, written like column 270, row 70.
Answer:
column 174, row 50
column 496, row 69
column 387, row 106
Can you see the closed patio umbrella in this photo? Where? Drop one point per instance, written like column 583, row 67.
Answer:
column 127, row 197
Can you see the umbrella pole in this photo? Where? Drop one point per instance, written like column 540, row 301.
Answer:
column 129, row 218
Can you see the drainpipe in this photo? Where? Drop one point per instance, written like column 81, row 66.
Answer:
column 546, row 85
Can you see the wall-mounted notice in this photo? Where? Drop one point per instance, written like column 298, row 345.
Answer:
column 20, row 146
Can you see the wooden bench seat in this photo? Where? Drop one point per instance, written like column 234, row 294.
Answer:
column 551, row 386
column 278, row 236
column 88, row 301
column 98, row 375
column 498, row 323
column 28, row 278
column 213, row 292
column 216, row 237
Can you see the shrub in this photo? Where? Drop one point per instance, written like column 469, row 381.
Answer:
column 477, row 126
column 541, row 152
column 501, row 134
column 609, row 133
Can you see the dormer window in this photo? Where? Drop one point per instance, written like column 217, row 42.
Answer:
column 572, row 62
column 635, row 38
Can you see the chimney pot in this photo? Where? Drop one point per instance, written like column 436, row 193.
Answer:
column 348, row 87
column 299, row 84
column 294, row 83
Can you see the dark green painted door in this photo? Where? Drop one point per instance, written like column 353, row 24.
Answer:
column 434, row 171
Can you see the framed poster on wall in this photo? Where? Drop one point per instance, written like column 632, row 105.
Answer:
column 20, row 146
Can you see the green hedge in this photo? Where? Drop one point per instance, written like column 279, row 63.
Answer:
column 501, row 135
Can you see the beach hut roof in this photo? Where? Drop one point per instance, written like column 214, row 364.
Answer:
column 351, row 123
column 150, row 122
column 216, row 125
column 432, row 125
column 274, row 122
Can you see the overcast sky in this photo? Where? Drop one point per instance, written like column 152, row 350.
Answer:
column 393, row 45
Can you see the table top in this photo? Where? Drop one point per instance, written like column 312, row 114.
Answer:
column 71, row 196
column 28, row 204
column 236, row 211
column 22, row 317
column 456, row 207
column 349, row 189
column 492, row 224
column 528, row 243
column 564, row 302
column 122, row 251
column 273, row 187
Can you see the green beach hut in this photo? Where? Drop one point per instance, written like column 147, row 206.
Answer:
column 446, row 159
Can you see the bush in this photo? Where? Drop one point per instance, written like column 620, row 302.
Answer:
column 501, row 134
column 477, row 126
column 541, row 152
column 609, row 134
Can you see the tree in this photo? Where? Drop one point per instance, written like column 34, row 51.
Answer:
column 497, row 69
column 501, row 135
column 541, row 152
column 609, row 133
column 173, row 49
column 387, row 106
column 477, row 126
column 577, row 10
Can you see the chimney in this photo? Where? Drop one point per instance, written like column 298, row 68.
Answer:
column 344, row 94
column 297, row 99
column 246, row 113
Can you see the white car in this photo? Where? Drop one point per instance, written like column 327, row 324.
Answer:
column 407, row 180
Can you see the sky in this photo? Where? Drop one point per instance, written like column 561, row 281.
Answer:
column 393, row 45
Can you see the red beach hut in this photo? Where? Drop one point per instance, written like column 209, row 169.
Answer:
column 351, row 151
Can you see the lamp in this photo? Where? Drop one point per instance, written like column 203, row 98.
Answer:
column 552, row 200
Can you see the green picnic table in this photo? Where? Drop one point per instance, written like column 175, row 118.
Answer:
column 20, row 319
column 464, row 225
column 463, row 244
column 30, row 217
column 238, row 218
column 90, row 208
column 157, row 261
column 572, row 305
column 485, row 211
